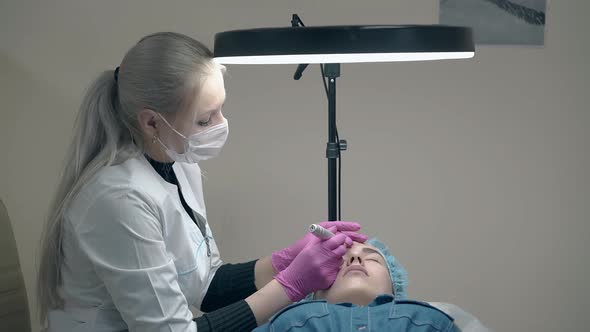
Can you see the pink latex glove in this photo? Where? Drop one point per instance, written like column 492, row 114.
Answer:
column 315, row 267
column 282, row 258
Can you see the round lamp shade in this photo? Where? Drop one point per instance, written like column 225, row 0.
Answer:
column 343, row 44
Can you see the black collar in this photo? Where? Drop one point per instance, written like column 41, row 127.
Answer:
column 164, row 169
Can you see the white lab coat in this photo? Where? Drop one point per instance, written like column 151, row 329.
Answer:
column 134, row 259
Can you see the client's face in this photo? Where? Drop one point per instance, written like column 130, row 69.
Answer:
column 362, row 277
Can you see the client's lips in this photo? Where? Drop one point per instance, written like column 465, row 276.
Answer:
column 356, row 268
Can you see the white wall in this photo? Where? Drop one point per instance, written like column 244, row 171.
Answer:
column 475, row 172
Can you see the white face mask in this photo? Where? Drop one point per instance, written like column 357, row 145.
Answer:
column 200, row 146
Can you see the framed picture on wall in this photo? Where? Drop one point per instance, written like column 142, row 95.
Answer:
column 499, row 22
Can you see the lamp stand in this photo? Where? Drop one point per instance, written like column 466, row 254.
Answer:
column 334, row 145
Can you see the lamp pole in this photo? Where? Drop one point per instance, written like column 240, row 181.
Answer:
column 333, row 148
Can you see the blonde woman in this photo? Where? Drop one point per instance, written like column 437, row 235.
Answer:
column 127, row 245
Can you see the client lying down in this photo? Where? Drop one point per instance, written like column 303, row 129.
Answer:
column 369, row 294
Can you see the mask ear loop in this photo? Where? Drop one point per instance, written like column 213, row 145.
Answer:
column 171, row 127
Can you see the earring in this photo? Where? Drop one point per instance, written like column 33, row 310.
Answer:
column 154, row 139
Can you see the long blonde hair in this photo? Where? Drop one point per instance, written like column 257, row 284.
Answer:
column 159, row 73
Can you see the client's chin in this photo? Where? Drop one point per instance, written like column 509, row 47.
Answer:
column 352, row 292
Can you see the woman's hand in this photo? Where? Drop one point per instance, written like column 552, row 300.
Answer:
column 282, row 258
column 315, row 267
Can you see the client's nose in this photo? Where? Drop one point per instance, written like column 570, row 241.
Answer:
column 353, row 258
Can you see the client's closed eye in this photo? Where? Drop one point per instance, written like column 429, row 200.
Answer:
column 374, row 259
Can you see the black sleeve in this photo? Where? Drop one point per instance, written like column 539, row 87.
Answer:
column 231, row 283
column 236, row 317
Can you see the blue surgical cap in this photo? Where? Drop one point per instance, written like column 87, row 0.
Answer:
column 398, row 274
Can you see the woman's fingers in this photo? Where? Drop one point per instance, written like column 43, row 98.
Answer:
column 342, row 225
column 335, row 241
column 340, row 251
column 356, row 237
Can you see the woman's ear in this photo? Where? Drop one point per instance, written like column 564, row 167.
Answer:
column 148, row 122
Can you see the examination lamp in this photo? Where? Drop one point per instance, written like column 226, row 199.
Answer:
column 330, row 46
